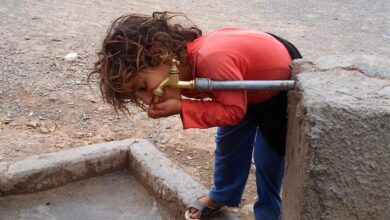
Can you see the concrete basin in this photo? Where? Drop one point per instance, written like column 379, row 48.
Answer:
column 127, row 179
column 117, row 195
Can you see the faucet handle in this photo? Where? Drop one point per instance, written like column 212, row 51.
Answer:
column 174, row 69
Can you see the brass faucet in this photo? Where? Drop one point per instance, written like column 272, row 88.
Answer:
column 172, row 81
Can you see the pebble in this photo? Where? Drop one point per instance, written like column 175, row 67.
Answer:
column 7, row 120
column 71, row 57
column 32, row 124
column 162, row 140
column 43, row 130
column 235, row 210
column 84, row 116
column 129, row 126
column 247, row 209
column 13, row 123
column 108, row 139
column 79, row 135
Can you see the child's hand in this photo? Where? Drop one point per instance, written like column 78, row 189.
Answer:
column 164, row 109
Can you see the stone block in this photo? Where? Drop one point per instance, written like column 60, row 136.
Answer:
column 338, row 142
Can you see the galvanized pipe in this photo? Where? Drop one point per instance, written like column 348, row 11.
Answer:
column 206, row 84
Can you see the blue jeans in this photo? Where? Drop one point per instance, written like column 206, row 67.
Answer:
column 233, row 155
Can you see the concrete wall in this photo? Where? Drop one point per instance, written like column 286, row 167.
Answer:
column 338, row 151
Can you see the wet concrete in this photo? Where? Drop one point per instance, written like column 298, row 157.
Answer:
column 116, row 195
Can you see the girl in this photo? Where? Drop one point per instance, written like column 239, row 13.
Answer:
column 136, row 56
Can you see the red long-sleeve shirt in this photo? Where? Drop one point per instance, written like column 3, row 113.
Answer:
column 231, row 54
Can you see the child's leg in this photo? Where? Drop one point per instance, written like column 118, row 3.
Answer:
column 232, row 161
column 269, row 176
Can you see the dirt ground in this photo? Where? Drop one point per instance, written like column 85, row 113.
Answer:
column 47, row 106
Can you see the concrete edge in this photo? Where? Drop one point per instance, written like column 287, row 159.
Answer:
column 41, row 172
column 174, row 189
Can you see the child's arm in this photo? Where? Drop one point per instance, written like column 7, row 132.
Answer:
column 226, row 107
column 205, row 114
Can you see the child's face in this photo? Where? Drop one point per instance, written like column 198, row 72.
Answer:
column 146, row 81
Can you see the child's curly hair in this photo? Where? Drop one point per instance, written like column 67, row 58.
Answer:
column 135, row 42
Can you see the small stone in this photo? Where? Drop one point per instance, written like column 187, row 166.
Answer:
column 43, row 130
column 108, row 139
column 71, row 57
column 53, row 99
column 162, row 140
column 53, row 128
column 13, row 123
column 235, row 210
column 27, row 38
column 7, row 120
column 189, row 158
column 84, row 116
column 32, row 124
column 79, row 135
column 247, row 209
column 31, row 114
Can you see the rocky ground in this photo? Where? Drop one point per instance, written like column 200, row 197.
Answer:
column 46, row 104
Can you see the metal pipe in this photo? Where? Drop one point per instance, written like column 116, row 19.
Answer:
column 206, row 84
